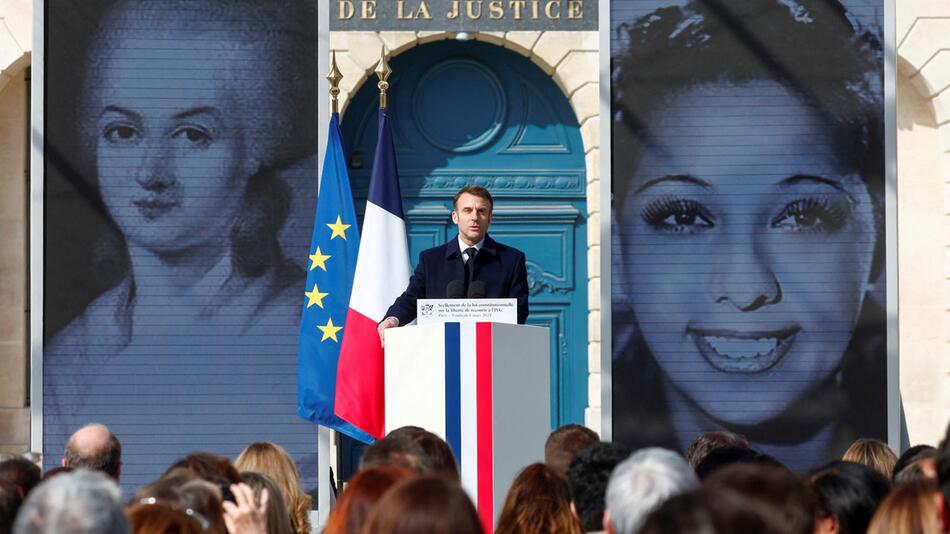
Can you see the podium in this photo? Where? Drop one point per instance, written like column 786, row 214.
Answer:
column 483, row 387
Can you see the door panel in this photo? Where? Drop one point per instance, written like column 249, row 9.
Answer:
column 474, row 113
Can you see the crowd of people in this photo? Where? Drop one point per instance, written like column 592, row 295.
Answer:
column 409, row 482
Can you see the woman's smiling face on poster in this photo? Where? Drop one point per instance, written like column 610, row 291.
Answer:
column 748, row 247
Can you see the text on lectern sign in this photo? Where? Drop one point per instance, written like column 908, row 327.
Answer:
column 431, row 311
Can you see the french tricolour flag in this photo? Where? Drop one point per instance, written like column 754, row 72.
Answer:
column 382, row 273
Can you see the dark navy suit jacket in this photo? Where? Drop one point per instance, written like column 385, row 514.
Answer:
column 500, row 267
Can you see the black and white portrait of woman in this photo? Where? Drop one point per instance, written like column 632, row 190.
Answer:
column 747, row 253
column 181, row 183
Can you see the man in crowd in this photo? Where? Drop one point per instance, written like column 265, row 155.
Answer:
column 641, row 483
column 564, row 443
column 455, row 267
column 79, row 502
column 94, row 447
column 587, row 479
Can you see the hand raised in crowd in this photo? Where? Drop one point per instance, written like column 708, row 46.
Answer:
column 245, row 515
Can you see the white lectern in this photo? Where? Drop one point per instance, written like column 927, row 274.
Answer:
column 483, row 387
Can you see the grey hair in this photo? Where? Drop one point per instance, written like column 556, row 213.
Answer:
column 641, row 483
column 78, row 502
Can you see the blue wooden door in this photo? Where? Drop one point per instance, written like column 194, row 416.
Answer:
column 473, row 113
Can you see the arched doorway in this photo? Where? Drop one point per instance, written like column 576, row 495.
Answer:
column 469, row 112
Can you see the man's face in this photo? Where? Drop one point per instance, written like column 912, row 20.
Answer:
column 472, row 215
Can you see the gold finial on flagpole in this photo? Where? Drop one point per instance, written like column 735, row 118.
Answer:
column 383, row 71
column 334, row 77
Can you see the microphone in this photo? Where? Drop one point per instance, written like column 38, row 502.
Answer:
column 455, row 289
column 476, row 290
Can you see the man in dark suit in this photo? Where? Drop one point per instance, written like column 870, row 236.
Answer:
column 472, row 256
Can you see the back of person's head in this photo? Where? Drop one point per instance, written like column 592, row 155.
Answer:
column 943, row 473
column 10, row 500
column 872, row 453
column 398, row 449
column 538, row 502
column 278, row 519
column 439, row 454
column 917, row 462
column 211, row 467
column 710, row 441
column 564, row 443
column 202, row 500
column 641, row 483
column 161, row 518
column 726, row 456
column 712, row 511
column 272, row 460
column 771, row 488
column 94, row 447
column 908, row 509
column 587, row 479
column 22, row 473
column 78, row 502
column 847, row 494
column 360, row 496
column 424, row 505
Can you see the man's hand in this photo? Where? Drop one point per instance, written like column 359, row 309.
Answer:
column 389, row 322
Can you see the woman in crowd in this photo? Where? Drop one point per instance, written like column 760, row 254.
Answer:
column 361, row 494
column 909, row 509
column 847, row 494
column 747, row 179
column 272, row 460
column 873, row 453
column 278, row 521
column 424, row 505
column 538, row 502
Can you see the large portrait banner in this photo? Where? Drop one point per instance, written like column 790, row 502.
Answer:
column 180, row 142
column 747, row 254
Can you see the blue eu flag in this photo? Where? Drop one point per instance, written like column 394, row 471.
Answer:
column 333, row 251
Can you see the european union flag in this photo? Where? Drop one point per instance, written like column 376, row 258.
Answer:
column 333, row 252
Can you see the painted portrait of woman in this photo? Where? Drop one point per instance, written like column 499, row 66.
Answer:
column 747, row 252
column 192, row 120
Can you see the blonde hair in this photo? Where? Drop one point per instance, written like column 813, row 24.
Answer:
column 909, row 509
column 872, row 453
column 272, row 460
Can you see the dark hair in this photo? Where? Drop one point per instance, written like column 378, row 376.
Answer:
column 476, row 190
column 107, row 458
column 943, row 468
column 424, row 505
column 538, row 502
column 22, row 473
column 726, row 456
column 397, row 449
column 359, row 497
column 211, row 467
column 770, row 488
column 440, row 456
column 161, row 518
column 912, row 456
column 710, row 441
column 707, row 510
column 11, row 497
column 564, row 443
column 278, row 516
column 817, row 52
column 587, row 479
column 848, row 491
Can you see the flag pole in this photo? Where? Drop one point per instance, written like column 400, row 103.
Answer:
column 334, row 77
column 383, row 71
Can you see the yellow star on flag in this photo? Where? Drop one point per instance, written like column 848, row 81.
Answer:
column 315, row 296
column 339, row 229
column 329, row 331
column 319, row 259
